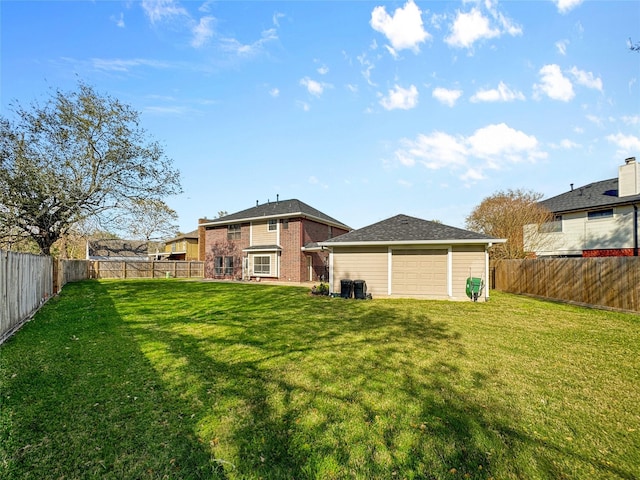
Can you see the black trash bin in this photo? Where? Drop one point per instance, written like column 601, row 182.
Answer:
column 346, row 287
column 360, row 289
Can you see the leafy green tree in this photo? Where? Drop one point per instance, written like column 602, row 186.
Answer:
column 82, row 155
column 504, row 215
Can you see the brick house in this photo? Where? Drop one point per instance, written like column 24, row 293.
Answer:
column 273, row 241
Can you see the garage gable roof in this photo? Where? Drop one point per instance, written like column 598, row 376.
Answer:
column 404, row 229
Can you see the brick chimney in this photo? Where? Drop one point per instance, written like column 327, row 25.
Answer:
column 629, row 178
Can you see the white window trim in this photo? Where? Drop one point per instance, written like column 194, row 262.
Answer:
column 268, row 274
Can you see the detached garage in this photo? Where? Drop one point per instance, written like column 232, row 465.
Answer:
column 409, row 257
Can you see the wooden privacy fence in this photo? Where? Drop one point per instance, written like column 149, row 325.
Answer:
column 26, row 282
column 612, row 282
column 145, row 269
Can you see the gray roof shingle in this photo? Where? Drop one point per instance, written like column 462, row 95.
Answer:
column 403, row 228
column 596, row 195
column 277, row 209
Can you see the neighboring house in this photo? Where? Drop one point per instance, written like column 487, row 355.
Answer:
column 274, row 241
column 117, row 250
column 182, row 247
column 409, row 257
column 599, row 219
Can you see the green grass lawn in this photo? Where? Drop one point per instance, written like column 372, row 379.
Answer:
column 183, row 379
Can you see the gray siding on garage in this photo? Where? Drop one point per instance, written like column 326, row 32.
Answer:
column 362, row 263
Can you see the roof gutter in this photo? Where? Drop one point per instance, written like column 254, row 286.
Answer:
column 472, row 241
column 272, row 217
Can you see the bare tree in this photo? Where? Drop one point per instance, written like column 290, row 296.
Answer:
column 81, row 155
column 150, row 219
column 504, row 215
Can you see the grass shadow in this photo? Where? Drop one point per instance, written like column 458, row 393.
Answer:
column 243, row 381
column 86, row 403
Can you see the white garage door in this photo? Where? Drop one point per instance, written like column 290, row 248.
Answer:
column 419, row 272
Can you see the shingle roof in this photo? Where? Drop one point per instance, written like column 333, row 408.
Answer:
column 278, row 209
column 403, row 228
column 595, row 195
column 192, row 235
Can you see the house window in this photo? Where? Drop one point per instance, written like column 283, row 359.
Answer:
column 553, row 226
column 600, row 214
column 233, row 232
column 330, row 232
column 228, row 265
column 285, row 224
column 273, row 225
column 262, row 265
column 223, row 265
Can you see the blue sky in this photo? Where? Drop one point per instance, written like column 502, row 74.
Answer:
column 362, row 109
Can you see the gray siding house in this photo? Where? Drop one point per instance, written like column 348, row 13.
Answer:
column 595, row 220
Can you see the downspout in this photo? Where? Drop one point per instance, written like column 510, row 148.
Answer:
column 635, row 230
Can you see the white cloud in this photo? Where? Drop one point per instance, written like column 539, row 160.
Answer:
column 565, row 144
column 507, row 25
column 446, row 96
column 323, row 70
column 586, row 79
column 631, row 119
column 470, row 27
column 119, row 65
column 119, row 21
column 568, row 144
column 435, row 151
column 565, row 5
column 304, row 106
column 158, row 10
column 402, row 98
column 202, row 32
column 404, row 29
column 276, row 18
column 274, row 92
column 501, row 94
column 368, row 66
column 314, row 88
column 474, row 25
column 628, row 145
column 554, row 84
column 491, row 147
column 313, row 180
column 499, row 143
column 595, row 119
column 561, row 45
column 234, row 47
